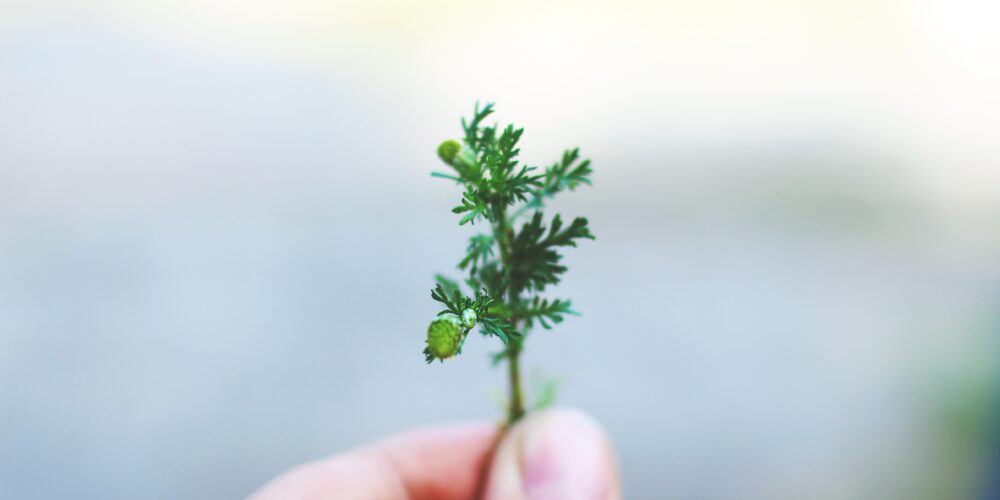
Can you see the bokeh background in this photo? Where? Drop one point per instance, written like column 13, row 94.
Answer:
column 218, row 233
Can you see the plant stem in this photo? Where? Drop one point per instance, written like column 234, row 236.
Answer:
column 503, row 234
column 516, row 408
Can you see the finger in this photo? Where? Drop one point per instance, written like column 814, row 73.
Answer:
column 554, row 455
column 439, row 463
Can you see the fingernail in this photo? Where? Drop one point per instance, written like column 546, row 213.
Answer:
column 566, row 459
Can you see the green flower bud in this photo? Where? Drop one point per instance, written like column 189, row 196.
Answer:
column 448, row 150
column 444, row 336
column 469, row 318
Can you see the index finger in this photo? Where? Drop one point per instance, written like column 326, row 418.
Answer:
column 445, row 463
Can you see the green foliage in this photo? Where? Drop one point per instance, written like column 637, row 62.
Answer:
column 471, row 129
column 479, row 252
column 562, row 175
column 535, row 259
column 544, row 391
column 544, row 311
column 491, row 324
column 475, row 204
column 509, row 266
column 449, row 286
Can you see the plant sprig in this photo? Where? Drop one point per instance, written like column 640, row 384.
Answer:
column 491, row 324
column 509, row 266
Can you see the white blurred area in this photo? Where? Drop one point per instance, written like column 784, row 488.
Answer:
column 218, row 232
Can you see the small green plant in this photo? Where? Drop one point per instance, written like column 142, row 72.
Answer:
column 509, row 266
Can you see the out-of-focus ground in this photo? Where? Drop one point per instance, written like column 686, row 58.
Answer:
column 218, row 233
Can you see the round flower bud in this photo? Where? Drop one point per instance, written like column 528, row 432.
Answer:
column 448, row 150
column 444, row 336
column 469, row 318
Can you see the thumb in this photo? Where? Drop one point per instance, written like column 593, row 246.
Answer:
column 554, row 455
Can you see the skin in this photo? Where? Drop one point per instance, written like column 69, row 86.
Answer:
column 551, row 455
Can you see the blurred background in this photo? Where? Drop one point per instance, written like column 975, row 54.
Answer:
column 218, row 233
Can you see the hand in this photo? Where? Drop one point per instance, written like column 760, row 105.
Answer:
column 550, row 455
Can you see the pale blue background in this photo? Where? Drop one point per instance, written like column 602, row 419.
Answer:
column 214, row 268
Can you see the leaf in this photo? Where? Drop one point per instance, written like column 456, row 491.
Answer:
column 439, row 294
column 448, row 285
column 498, row 357
column 545, row 311
column 545, row 391
column 479, row 251
column 472, row 133
column 446, row 176
column 565, row 174
column 534, row 260
column 472, row 203
column 496, row 327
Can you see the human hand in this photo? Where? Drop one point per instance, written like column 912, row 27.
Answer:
column 549, row 455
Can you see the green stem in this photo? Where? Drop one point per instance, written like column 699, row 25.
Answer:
column 503, row 234
column 516, row 408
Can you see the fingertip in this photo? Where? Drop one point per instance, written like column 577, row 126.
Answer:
column 553, row 455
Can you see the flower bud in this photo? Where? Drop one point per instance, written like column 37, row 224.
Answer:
column 469, row 318
column 444, row 336
column 448, row 150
